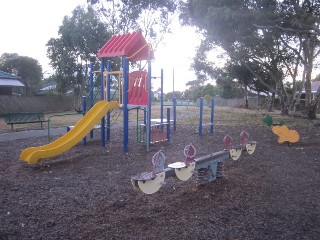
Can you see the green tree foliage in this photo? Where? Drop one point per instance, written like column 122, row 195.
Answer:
column 27, row 68
column 170, row 95
column 208, row 90
column 267, row 37
column 153, row 17
column 80, row 38
column 224, row 89
column 194, row 90
column 300, row 32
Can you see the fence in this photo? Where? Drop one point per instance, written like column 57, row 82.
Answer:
column 236, row 102
column 46, row 104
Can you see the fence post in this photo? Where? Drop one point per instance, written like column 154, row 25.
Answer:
column 174, row 113
column 212, row 116
column 200, row 118
column 84, row 109
column 168, row 125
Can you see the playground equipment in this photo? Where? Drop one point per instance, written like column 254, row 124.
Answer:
column 32, row 155
column 235, row 152
column 134, row 91
column 184, row 170
column 201, row 123
column 205, row 168
column 282, row 131
column 285, row 134
column 160, row 130
column 134, row 88
column 269, row 121
column 157, row 175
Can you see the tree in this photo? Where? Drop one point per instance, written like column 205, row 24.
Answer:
column 300, row 32
column 27, row 68
column 229, row 25
column 194, row 90
column 152, row 17
column 197, row 89
column 80, row 38
column 208, row 90
column 170, row 95
column 268, row 34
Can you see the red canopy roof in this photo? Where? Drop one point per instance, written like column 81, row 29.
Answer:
column 132, row 45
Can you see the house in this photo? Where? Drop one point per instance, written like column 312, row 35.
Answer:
column 315, row 85
column 10, row 84
column 47, row 89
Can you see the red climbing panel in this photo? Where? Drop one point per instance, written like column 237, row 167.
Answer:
column 138, row 88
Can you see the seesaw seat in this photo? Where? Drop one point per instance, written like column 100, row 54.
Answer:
column 182, row 170
column 148, row 183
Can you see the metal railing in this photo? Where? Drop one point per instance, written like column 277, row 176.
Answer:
column 58, row 115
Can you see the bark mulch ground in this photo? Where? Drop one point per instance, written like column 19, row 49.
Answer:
column 86, row 193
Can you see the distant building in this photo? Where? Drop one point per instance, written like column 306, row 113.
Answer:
column 48, row 88
column 10, row 84
column 315, row 85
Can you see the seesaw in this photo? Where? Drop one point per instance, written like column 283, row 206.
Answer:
column 184, row 170
column 235, row 151
column 150, row 182
column 205, row 167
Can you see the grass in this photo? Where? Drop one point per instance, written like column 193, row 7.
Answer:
column 185, row 115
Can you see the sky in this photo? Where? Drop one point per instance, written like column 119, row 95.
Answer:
column 29, row 24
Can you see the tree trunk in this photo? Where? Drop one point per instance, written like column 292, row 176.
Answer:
column 271, row 106
column 283, row 99
column 246, row 92
column 308, row 48
column 282, row 104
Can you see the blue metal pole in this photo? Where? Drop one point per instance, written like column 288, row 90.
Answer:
column 84, row 108
column 161, row 97
column 212, row 115
column 149, row 106
column 200, row 119
column 168, row 125
column 103, row 134
column 125, row 104
column 174, row 113
column 144, row 116
column 91, row 92
column 145, row 121
column 109, row 99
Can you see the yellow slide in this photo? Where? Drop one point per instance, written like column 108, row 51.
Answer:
column 33, row 154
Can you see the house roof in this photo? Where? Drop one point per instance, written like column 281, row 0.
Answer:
column 10, row 83
column 10, row 80
column 132, row 45
column 4, row 75
column 49, row 86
